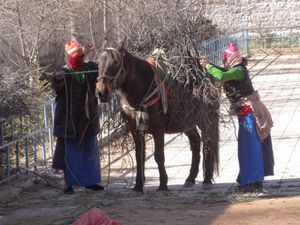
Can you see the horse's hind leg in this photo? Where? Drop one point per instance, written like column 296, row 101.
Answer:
column 195, row 141
column 159, row 157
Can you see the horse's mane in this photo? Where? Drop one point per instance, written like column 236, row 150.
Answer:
column 180, row 82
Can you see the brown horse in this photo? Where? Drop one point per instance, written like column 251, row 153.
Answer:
column 133, row 79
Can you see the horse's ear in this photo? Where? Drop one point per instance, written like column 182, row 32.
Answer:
column 104, row 43
column 121, row 45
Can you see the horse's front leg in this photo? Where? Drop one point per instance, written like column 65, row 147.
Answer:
column 159, row 142
column 139, row 140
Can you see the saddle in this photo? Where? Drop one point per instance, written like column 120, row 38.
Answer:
column 159, row 64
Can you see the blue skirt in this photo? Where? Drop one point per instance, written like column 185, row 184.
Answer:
column 250, row 152
column 82, row 163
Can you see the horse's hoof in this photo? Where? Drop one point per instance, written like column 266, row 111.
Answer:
column 206, row 186
column 163, row 188
column 137, row 189
column 207, row 182
column 188, row 184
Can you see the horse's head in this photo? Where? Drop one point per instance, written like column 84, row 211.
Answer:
column 111, row 71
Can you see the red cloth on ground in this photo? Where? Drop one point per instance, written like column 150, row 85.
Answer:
column 95, row 217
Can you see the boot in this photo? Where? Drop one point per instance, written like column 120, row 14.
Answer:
column 95, row 187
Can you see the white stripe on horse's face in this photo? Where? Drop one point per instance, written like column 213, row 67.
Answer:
column 103, row 54
column 111, row 65
column 105, row 51
column 110, row 48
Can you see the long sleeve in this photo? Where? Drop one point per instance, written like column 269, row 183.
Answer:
column 235, row 73
column 57, row 84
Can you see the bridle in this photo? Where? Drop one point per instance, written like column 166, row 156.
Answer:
column 114, row 78
column 148, row 99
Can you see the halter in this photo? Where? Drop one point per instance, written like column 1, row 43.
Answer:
column 115, row 77
column 146, row 101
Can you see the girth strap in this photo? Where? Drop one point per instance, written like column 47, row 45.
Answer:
column 161, row 89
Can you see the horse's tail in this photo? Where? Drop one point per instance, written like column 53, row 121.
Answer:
column 216, row 140
column 211, row 138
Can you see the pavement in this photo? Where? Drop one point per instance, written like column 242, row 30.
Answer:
column 277, row 79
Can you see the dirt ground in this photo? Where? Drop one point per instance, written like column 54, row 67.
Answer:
column 39, row 201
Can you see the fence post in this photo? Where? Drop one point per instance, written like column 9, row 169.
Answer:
column 1, row 132
column 45, row 127
column 8, row 148
column 17, row 146
column 247, row 41
column 290, row 39
column 7, row 161
column 1, row 143
column 34, row 151
column 27, row 153
column 17, row 157
column 52, row 122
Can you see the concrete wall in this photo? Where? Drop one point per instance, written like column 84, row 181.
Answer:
column 237, row 14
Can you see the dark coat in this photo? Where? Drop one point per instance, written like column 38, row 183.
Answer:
column 81, row 118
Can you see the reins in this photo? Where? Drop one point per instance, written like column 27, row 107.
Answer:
column 83, row 71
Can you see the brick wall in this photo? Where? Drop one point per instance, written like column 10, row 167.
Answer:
column 237, row 14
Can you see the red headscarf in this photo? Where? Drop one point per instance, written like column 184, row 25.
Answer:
column 231, row 56
column 75, row 54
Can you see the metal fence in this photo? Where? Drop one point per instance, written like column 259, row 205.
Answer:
column 251, row 39
column 274, row 38
column 213, row 48
column 26, row 142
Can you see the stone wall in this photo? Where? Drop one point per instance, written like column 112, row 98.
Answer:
column 237, row 14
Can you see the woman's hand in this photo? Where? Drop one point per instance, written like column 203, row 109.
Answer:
column 59, row 75
column 203, row 62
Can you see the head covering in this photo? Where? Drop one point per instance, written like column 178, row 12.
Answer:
column 231, row 56
column 75, row 54
column 73, row 48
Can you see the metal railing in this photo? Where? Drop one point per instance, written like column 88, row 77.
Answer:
column 254, row 39
column 274, row 38
column 27, row 141
column 214, row 47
